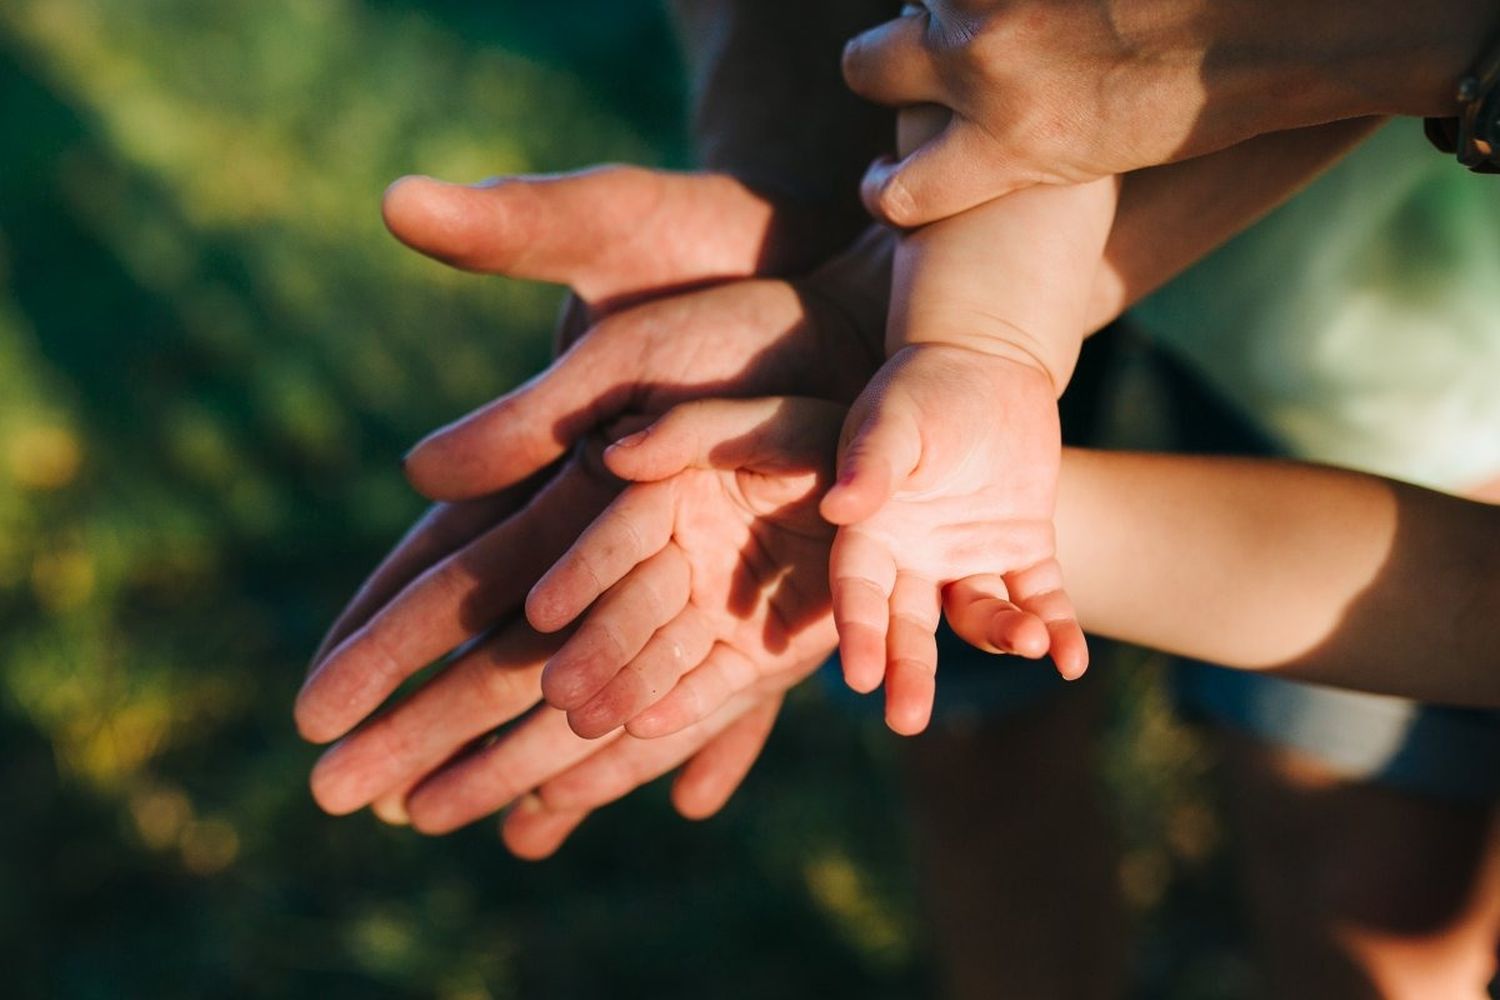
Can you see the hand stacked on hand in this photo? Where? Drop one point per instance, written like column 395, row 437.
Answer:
column 521, row 478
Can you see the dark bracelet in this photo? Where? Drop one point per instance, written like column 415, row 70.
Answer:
column 1474, row 135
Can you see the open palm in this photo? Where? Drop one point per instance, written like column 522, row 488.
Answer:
column 706, row 578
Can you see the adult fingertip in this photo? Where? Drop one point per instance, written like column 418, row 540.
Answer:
column 312, row 724
column 329, row 788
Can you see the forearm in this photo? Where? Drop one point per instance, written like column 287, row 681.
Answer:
column 1170, row 217
column 770, row 105
column 1009, row 278
column 1320, row 574
column 1291, row 64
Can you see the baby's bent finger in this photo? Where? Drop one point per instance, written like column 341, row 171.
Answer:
column 618, row 628
column 1039, row 591
column 980, row 612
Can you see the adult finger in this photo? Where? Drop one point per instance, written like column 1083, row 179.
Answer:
column 533, row 832
column 482, row 690
column 632, row 361
column 711, row 777
column 959, row 169
column 536, row 828
column 607, row 232
column 890, row 64
column 440, row 532
column 511, row 438
column 458, row 598
column 629, row 762
column 482, row 782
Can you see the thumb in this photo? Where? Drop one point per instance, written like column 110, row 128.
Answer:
column 882, row 449
column 954, row 171
column 590, row 230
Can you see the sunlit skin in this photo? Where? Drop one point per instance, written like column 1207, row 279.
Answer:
column 1064, row 93
column 468, row 565
column 948, row 466
column 524, row 229
column 1161, row 543
column 706, row 575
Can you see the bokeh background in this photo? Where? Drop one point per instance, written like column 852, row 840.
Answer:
column 211, row 356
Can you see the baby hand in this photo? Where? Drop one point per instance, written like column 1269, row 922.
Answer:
column 707, row 577
column 947, row 480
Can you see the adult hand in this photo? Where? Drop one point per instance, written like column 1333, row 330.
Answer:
column 1065, row 91
column 747, row 337
column 615, row 235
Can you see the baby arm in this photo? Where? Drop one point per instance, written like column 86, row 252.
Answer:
column 948, row 466
column 1321, row 574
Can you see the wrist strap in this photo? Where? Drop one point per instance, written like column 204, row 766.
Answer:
column 1474, row 135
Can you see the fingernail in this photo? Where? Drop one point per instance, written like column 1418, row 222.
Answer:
column 631, row 440
column 528, row 805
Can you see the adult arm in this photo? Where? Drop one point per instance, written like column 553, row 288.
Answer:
column 1048, row 92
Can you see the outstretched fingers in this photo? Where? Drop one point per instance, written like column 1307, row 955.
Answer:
column 458, row 598
column 440, row 532
column 482, row 690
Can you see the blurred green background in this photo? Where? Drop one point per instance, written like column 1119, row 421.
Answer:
column 210, row 357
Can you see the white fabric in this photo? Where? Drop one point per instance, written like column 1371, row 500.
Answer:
column 1360, row 323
